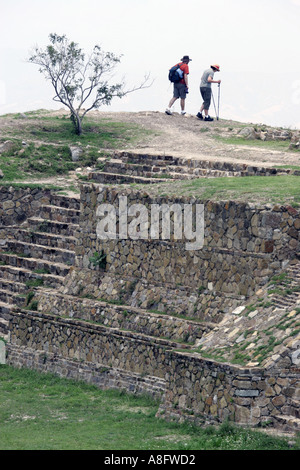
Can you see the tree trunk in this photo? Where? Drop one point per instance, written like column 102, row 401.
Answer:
column 76, row 122
column 79, row 127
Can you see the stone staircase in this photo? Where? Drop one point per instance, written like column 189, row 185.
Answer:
column 37, row 254
column 291, row 296
column 144, row 168
column 125, row 318
column 35, row 259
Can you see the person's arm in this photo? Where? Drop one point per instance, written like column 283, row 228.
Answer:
column 185, row 76
column 210, row 80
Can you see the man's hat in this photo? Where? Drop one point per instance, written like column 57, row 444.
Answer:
column 217, row 67
column 186, row 57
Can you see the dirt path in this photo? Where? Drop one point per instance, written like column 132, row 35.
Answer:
column 188, row 137
column 184, row 136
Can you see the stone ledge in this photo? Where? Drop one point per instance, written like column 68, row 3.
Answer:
column 123, row 316
column 100, row 375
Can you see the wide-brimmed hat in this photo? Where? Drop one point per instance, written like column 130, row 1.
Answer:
column 216, row 66
column 186, row 57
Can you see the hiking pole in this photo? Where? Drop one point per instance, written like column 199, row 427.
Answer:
column 214, row 103
column 218, row 101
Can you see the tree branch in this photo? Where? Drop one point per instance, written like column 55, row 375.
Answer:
column 73, row 78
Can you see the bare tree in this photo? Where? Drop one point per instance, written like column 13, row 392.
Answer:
column 80, row 83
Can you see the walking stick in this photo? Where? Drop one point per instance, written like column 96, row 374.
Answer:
column 218, row 102
column 214, row 103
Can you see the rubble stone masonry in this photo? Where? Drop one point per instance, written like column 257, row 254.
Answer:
column 244, row 246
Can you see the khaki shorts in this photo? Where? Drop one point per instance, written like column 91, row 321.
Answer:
column 206, row 95
column 179, row 90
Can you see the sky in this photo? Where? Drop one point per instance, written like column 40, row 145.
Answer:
column 255, row 42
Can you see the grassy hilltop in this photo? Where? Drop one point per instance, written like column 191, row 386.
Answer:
column 35, row 148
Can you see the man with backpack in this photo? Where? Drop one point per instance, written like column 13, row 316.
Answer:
column 179, row 76
column 205, row 90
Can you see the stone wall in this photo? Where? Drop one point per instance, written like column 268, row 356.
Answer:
column 122, row 317
column 193, row 388
column 104, row 377
column 205, row 305
column 201, row 388
column 17, row 204
column 244, row 244
column 86, row 342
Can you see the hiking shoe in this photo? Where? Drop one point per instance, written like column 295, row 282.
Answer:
column 208, row 118
column 168, row 111
column 199, row 116
column 183, row 113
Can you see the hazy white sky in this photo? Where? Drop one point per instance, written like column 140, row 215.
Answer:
column 256, row 43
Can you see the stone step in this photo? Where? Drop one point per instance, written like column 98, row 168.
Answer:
column 4, row 331
column 28, row 276
column 137, row 169
column 240, row 169
column 117, row 171
column 13, row 298
column 32, row 264
column 114, row 178
column 295, row 275
column 68, row 202
column 50, row 226
column 5, row 313
column 41, row 252
column 164, row 160
column 295, row 282
column 145, row 171
column 59, row 214
column 132, row 336
column 168, row 171
column 146, row 159
column 43, row 238
column 12, row 286
column 5, row 310
column 292, row 408
column 294, row 268
column 123, row 317
column 286, row 301
column 288, row 423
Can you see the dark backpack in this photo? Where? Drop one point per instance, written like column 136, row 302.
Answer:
column 174, row 74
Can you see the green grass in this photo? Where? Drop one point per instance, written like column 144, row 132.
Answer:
column 271, row 188
column 42, row 160
column 43, row 412
column 267, row 144
column 102, row 133
column 279, row 189
column 48, row 140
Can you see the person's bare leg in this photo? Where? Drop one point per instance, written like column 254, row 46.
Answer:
column 172, row 102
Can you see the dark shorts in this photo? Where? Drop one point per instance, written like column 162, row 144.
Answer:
column 179, row 90
column 206, row 95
